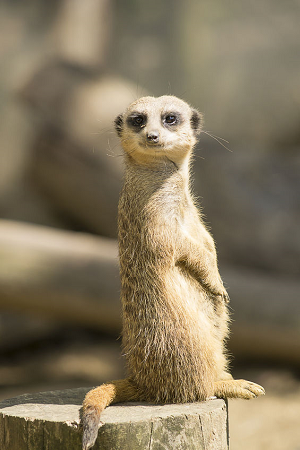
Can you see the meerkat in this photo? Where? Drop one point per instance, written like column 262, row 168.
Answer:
column 175, row 317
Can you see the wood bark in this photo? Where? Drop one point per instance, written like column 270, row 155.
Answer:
column 50, row 420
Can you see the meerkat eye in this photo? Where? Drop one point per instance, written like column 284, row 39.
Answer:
column 138, row 120
column 170, row 119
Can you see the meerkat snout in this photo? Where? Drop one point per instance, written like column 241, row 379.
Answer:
column 152, row 137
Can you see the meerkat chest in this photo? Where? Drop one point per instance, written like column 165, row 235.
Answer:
column 190, row 222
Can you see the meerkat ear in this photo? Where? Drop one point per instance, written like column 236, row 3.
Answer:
column 119, row 124
column 196, row 121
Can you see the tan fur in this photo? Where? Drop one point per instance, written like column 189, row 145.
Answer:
column 175, row 317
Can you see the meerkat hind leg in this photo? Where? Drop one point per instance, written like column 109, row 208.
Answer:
column 97, row 400
column 231, row 388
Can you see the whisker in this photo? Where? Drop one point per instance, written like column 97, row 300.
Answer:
column 213, row 135
column 218, row 139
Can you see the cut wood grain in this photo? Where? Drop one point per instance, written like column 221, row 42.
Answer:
column 50, row 420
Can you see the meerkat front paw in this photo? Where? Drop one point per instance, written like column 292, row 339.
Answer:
column 238, row 389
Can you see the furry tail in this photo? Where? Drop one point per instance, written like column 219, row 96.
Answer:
column 96, row 401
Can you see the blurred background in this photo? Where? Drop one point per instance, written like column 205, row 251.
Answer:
column 67, row 69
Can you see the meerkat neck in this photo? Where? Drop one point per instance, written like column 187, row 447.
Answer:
column 164, row 176
column 162, row 166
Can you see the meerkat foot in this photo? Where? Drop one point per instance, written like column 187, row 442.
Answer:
column 96, row 401
column 230, row 388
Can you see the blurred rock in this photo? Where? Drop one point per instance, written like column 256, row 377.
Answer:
column 76, row 152
column 265, row 312
column 74, row 278
column 20, row 330
column 69, row 277
column 81, row 102
column 241, row 65
column 237, row 62
column 82, row 359
column 251, row 199
column 76, row 183
column 82, row 31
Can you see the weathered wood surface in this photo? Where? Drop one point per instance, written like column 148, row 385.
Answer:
column 49, row 421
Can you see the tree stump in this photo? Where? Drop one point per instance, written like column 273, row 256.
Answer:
column 50, row 421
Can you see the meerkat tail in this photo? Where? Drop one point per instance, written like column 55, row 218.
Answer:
column 96, row 401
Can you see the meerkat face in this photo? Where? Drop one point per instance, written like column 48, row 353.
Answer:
column 163, row 127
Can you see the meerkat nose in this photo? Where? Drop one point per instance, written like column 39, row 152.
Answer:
column 153, row 136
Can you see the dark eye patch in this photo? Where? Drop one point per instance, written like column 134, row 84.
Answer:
column 171, row 118
column 137, row 120
column 196, row 121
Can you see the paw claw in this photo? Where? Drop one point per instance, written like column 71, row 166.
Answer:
column 256, row 389
column 226, row 298
column 253, row 390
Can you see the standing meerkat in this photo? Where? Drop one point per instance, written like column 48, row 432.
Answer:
column 175, row 318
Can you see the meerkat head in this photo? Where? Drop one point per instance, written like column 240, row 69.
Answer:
column 162, row 127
